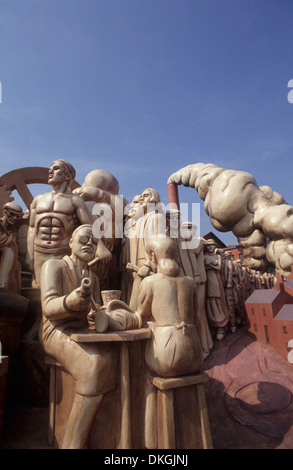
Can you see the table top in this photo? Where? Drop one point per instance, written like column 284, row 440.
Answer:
column 91, row 336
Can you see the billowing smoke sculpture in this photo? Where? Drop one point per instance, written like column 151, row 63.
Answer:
column 258, row 216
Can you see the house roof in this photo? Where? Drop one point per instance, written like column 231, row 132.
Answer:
column 214, row 237
column 262, row 296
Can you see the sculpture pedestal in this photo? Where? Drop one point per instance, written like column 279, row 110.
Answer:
column 121, row 408
column 190, row 427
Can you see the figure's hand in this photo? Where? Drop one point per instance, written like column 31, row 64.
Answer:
column 91, row 319
column 105, row 258
column 76, row 302
column 143, row 271
column 197, row 280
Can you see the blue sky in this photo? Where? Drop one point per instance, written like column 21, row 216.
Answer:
column 142, row 88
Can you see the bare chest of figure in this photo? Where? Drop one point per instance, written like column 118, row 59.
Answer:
column 56, row 203
column 55, row 219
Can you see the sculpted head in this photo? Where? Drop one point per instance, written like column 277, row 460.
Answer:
column 60, row 172
column 209, row 245
column 83, row 244
column 98, row 186
column 11, row 213
column 135, row 208
column 188, row 230
column 149, row 195
column 161, row 252
column 136, row 200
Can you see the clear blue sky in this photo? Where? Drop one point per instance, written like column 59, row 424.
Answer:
column 142, row 88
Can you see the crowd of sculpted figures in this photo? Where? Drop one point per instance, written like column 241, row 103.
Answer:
column 222, row 283
column 188, row 291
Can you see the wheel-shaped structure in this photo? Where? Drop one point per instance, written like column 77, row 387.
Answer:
column 19, row 180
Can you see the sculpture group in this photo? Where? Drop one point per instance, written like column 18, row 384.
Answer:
column 184, row 288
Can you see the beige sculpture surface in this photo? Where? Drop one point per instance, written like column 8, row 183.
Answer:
column 151, row 222
column 168, row 300
column 229, row 273
column 100, row 186
column 190, row 259
column 258, row 216
column 53, row 217
column 66, row 305
column 10, row 269
column 217, row 310
column 100, row 191
column 128, row 252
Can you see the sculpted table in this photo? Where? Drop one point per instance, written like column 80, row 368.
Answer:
column 124, row 338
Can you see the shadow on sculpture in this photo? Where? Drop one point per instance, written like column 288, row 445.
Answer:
column 13, row 310
column 13, row 305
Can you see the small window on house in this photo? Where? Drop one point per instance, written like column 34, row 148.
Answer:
column 267, row 334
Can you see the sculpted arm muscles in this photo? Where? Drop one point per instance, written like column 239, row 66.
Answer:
column 82, row 212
